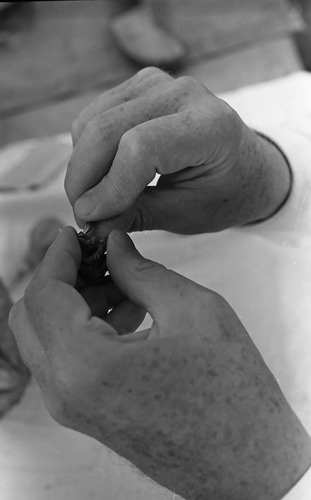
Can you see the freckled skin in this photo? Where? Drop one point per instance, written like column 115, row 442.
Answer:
column 191, row 403
column 198, row 413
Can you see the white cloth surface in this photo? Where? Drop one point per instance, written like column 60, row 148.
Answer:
column 264, row 271
column 302, row 490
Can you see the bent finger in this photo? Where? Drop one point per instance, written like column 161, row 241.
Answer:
column 164, row 145
column 98, row 143
column 142, row 82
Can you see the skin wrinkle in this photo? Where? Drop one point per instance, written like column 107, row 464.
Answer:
column 156, row 438
column 163, row 437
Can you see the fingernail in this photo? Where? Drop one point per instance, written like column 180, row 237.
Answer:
column 84, row 206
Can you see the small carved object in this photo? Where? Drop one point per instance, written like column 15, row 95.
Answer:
column 93, row 265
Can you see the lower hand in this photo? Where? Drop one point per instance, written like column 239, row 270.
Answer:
column 189, row 401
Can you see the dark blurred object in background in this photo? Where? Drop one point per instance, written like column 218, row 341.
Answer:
column 14, row 19
column 303, row 38
column 143, row 39
column 164, row 32
column 14, row 375
column 67, row 55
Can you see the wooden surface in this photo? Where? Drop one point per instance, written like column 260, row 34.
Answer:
column 66, row 54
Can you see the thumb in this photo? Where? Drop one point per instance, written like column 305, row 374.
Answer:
column 160, row 291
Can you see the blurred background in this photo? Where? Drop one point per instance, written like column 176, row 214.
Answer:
column 55, row 57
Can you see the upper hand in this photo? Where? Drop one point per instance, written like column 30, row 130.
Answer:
column 189, row 401
column 213, row 168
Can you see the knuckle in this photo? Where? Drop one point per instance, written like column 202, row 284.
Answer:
column 134, row 142
column 91, row 128
column 150, row 78
column 143, row 219
column 187, row 84
column 228, row 120
column 149, row 71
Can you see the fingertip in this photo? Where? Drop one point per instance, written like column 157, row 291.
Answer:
column 120, row 240
column 71, row 236
column 80, row 222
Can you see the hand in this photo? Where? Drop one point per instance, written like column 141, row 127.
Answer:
column 214, row 171
column 189, row 401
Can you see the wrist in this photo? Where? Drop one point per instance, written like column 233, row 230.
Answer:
column 270, row 177
column 281, row 175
